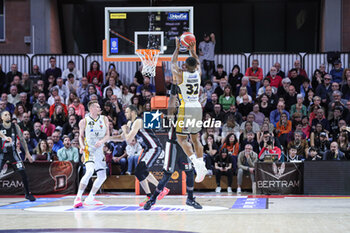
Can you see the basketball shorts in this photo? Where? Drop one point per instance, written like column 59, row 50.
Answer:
column 13, row 158
column 188, row 116
column 174, row 155
column 150, row 156
column 96, row 156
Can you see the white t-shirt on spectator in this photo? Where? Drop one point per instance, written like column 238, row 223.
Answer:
column 116, row 91
column 77, row 74
column 133, row 150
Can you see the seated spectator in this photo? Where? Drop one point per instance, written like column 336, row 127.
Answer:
column 344, row 144
column 258, row 116
column 266, row 83
column 245, row 107
column 218, row 114
column 113, row 74
column 72, row 84
column 95, row 72
column 283, row 127
column 283, row 90
column 235, row 78
column 202, row 98
column 333, row 124
column 36, row 75
column 227, row 99
column 219, row 74
column 233, row 112
column 231, row 126
column 17, row 82
column 305, row 88
column 313, row 155
column 116, row 90
column 53, row 70
column 146, row 86
column 324, row 89
column 274, row 78
column 133, row 151
column 255, row 75
column 109, row 111
column 58, row 118
column 300, row 71
column 299, row 107
column 223, row 166
column 219, row 90
column 244, row 84
column 40, row 104
column 26, row 123
column 24, row 101
column 57, row 103
column 19, row 111
column 31, row 143
column 250, row 140
column 57, row 143
column 291, row 97
column 293, row 156
column 68, row 153
column 266, row 127
column 82, row 90
column 317, row 79
column 296, row 80
column 334, row 153
column 36, row 133
column 68, row 126
column 232, row 145
column 47, row 127
column 126, row 96
column 306, row 128
column 211, row 131
column 13, row 97
column 346, row 85
column 337, row 72
column 336, row 102
column 78, row 107
column 242, row 93
column 209, row 106
column 280, row 73
column 210, row 150
column 42, row 152
column 264, row 106
column 251, row 119
column 320, row 118
column 269, row 148
column 246, row 166
column 322, row 68
column 135, row 100
column 63, row 90
column 301, row 144
column 54, row 93
column 119, row 153
column 98, row 87
column 276, row 114
column 71, row 70
column 12, row 73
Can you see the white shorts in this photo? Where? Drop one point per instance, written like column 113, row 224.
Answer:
column 95, row 156
column 187, row 117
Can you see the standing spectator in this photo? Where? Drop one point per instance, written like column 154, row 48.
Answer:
column 14, row 72
column 223, row 166
column 300, row 71
column 210, row 150
column 82, row 91
column 275, row 79
column 47, row 127
column 95, row 72
column 255, row 75
column 53, row 70
column 35, row 75
column 337, row 72
column 276, row 114
column 133, row 150
column 71, row 70
column 219, row 74
column 13, row 97
column 334, row 153
column 68, row 153
column 206, row 56
column 58, row 144
column 235, row 78
column 246, row 163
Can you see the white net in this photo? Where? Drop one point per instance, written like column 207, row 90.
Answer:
column 149, row 58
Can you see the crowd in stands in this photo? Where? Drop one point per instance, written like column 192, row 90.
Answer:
column 292, row 114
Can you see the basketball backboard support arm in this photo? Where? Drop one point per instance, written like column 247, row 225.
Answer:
column 131, row 22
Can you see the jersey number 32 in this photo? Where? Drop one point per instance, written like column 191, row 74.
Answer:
column 192, row 89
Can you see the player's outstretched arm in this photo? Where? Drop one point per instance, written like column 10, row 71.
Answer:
column 194, row 54
column 82, row 125
column 174, row 67
column 129, row 136
column 24, row 143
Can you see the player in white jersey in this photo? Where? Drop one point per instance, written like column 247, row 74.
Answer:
column 190, row 110
column 93, row 133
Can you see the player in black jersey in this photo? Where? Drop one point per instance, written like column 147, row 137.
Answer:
column 8, row 134
column 151, row 145
column 172, row 157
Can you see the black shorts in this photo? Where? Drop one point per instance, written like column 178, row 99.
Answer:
column 12, row 158
column 174, row 155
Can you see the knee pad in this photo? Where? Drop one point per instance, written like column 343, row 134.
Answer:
column 141, row 171
column 101, row 177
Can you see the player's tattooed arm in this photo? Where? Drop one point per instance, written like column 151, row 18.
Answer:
column 24, row 143
column 3, row 136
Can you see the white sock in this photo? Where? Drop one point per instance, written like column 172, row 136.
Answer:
column 200, row 159
column 80, row 193
column 193, row 158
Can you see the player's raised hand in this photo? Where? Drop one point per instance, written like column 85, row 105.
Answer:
column 193, row 46
column 177, row 43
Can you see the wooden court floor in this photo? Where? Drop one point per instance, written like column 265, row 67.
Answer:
column 221, row 213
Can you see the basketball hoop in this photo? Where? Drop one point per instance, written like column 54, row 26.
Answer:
column 149, row 58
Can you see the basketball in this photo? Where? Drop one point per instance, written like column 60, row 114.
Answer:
column 186, row 38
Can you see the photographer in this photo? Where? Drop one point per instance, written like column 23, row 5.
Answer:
column 246, row 162
column 269, row 148
column 334, row 153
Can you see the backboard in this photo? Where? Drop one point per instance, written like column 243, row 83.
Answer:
column 131, row 28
